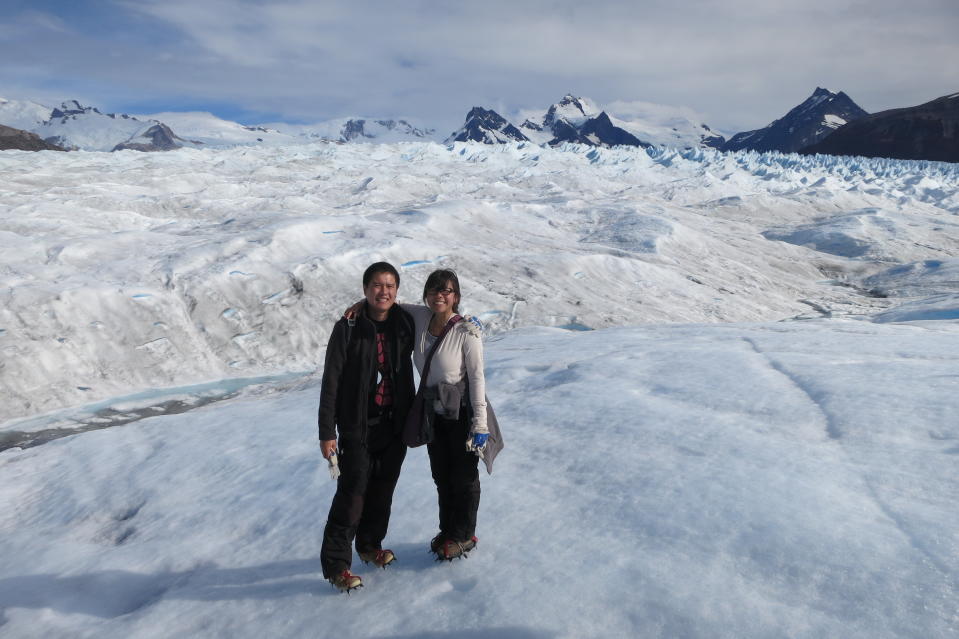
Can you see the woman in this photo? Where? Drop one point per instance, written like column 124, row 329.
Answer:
column 456, row 379
column 457, row 391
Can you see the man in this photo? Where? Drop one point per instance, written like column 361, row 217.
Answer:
column 366, row 393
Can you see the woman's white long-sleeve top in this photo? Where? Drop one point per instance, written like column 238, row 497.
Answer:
column 458, row 358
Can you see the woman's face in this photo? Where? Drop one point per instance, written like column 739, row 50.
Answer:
column 443, row 299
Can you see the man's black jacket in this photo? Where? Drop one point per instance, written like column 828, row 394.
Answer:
column 350, row 372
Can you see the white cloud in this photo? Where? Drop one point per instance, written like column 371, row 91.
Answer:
column 741, row 63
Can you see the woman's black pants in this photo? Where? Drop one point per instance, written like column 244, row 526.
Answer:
column 456, row 475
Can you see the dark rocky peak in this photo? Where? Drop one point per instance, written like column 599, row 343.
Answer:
column 928, row 131
column 11, row 138
column 563, row 131
column 158, row 137
column 711, row 139
column 485, row 115
column 480, row 119
column 824, row 101
column 808, row 123
column 354, row 129
column 487, row 126
column 597, row 131
column 72, row 108
column 602, row 130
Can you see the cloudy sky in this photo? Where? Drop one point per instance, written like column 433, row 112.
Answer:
column 738, row 63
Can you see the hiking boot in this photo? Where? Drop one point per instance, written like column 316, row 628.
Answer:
column 379, row 558
column 346, row 581
column 437, row 542
column 452, row 549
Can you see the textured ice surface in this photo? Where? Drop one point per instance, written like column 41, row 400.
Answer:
column 123, row 272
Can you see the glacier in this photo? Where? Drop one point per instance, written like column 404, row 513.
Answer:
column 123, row 272
column 726, row 381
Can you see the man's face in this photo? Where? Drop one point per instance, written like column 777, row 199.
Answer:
column 381, row 291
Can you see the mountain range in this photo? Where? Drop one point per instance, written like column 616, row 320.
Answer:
column 578, row 120
column 74, row 126
column 826, row 122
column 819, row 115
column 929, row 131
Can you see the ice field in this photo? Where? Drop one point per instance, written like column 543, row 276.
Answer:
column 727, row 383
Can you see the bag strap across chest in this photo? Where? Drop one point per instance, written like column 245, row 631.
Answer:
column 429, row 356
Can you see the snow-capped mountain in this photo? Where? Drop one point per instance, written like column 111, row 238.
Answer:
column 577, row 120
column 486, row 126
column 74, row 126
column 929, row 131
column 364, row 130
column 818, row 116
column 663, row 125
column 23, row 114
column 572, row 109
column 357, row 130
column 210, row 130
column 216, row 132
column 573, row 119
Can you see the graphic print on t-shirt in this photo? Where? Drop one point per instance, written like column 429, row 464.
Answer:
column 384, row 390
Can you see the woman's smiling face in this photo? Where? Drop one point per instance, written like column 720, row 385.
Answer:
column 442, row 299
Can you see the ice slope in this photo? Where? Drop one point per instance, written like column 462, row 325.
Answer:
column 661, row 125
column 23, row 114
column 791, row 479
column 210, row 130
column 124, row 272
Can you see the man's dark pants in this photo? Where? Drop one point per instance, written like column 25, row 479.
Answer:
column 364, row 496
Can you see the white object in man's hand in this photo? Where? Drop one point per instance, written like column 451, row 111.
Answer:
column 328, row 448
column 334, row 466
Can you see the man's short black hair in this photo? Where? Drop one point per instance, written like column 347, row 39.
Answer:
column 380, row 267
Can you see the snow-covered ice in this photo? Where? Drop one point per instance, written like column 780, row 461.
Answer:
column 128, row 271
column 728, row 480
column 758, row 439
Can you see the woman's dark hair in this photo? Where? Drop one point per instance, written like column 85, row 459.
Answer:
column 440, row 279
column 376, row 269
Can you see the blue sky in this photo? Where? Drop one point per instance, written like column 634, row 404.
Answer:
column 739, row 63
